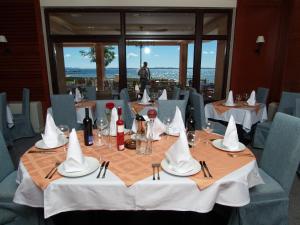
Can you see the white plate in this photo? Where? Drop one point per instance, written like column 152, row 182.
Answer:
column 62, row 141
column 246, row 104
column 166, row 167
column 229, row 105
column 147, row 103
column 92, row 163
column 218, row 143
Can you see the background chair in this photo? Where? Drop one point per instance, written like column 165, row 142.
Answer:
column 11, row 213
column 262, row 95
column 269, row 202
column 90, row 93
column 124, row 95
column 3, row 120
column 176, row 93
column 197, row 103
column 287, row 105
column 64, row 112
column 101, row 111
column 22, row 124
column 166, row 109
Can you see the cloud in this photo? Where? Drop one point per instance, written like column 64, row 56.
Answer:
column 67, row 55
column 205, row 52
column 132, row 54
column 156, row 55
column 86, row 57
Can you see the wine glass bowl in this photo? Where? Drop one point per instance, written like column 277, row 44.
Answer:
column 64, row 129
column 191, row 138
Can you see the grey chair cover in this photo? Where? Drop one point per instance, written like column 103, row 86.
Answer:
column 148, row 87
column 11, row 213
column 124, row 95
column 3, row 120
column 64, row 111
column 22, row 124
column 197, row 103
column 269, row 202
column 262, row 95
column 126, row 116
column 166, row 109
column 90, row 93
column 176, row 93
column 297, row 110
column 287, row 105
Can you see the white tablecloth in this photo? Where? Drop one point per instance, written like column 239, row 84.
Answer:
column 243, row 116
column 168, row 193
column 9, row 117
column 80, row 114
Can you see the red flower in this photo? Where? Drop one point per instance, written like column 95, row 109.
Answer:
column 110, row 105
column 152, row 113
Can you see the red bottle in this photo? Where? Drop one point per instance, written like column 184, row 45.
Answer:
column 120, row 131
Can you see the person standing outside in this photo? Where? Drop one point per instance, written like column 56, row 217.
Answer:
column 145, row 76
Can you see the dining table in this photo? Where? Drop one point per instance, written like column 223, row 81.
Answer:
column 142, row 108
column 131, row 183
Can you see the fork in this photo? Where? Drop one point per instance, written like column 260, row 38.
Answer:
column 50, row 174
column 157, row 165
column 101, row 168
column 153, row 167
column 203, row 169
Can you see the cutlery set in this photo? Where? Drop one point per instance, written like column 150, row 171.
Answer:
column 41, row 151
column 157, row 166
column 52, row 171
column 104, row 166
column 205, row 167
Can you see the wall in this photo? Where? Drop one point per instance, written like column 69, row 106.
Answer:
column 24, row 64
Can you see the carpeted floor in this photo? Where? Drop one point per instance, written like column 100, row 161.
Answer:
column 22, row 145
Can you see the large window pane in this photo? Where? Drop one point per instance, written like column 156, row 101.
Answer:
column 160, row 23
column 215, row 24
column 69, row 23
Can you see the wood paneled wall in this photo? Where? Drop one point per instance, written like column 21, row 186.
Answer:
column 277, row 66
column 22, row 59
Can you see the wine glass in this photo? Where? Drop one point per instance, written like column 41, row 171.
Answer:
column 238, row 97
column 167, row 122
column 246, row 96
column 65, row 131
column 191, row 138
column 208, row 129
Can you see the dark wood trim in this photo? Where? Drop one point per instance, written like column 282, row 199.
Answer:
column 122, row 55
column 215, row 37
column 160, row 37
column 85, row 38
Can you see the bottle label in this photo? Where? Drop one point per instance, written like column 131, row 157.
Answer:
column 120, row 137
column 120, row 129
column 90, row 140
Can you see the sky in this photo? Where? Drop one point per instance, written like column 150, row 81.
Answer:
column 156, row 56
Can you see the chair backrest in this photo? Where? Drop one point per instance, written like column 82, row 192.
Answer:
column 297, row 111
column 166, row 109
column 124, row 95
column 26, row 103
column 281, row 154
column 176, row 93
column 90, row 92
column 287, row 102
column 148, row 88
column 197, row 103
column 6, row 165
column 126, row 115
column 3, row 119
column 186, row 95
column 262, row 95
column 64, row 111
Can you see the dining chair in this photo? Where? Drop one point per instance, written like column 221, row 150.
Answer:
column 287, row 105
column 3, row 120
column 269, row 202
column 148, row 87
column 176, row 93
column 124, row 95
column 167, row 108
column 64, row 112
column 262, row 95
column 22, row 125
column 11, row 213
column 90, row 92
column 197, row 103
column 128, row 114
column 101, row 111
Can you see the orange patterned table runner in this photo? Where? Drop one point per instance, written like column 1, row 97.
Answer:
column 130, row 167
column 220, row 108
column 86, row 104
column 138, row 107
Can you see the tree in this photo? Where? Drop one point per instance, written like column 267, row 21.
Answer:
column 109, row 54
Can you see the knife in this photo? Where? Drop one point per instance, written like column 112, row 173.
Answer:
column 203, row 169
column 41, row 151
column 106, row 165
column 102, row 165
column 204, row 163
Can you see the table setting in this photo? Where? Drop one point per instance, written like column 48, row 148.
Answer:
column 96, row 177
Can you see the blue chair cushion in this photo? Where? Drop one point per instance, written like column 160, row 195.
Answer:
column 8, row 187
column 271, row 190
column 6, row 216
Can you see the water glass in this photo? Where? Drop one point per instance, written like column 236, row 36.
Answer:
column 238, row 98
column 101, row 125
column 65, row 130
column 191, row 136
column 167, row 122
column 141, row 144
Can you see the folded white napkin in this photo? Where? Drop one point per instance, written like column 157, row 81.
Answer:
column 163, row 95
column 158, row 128
column 113, row 121
column 52, row 135
column 229, row 100
column 252, row 100
column 78, row 96
column 146, row 97
column 137, row 88
column 75, row 160
column 231, row 139
column 178, row 155
column 177, row 124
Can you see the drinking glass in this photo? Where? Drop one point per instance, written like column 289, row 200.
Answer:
column 238, row 97
column 191, row 138
column 246, row 96
column 101, row 125
column 167, row 122
column 208, row 129
column 65, row 130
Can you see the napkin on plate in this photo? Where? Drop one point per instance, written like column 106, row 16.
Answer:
column 113, row 121
column 163, row 96
column 177, row 123
column 178, row 155
column 75, row 160
column 231, row 139
column 78, row 96
column 252, row 100
column 146, row 97
column 229, row 100
column 52, row 135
